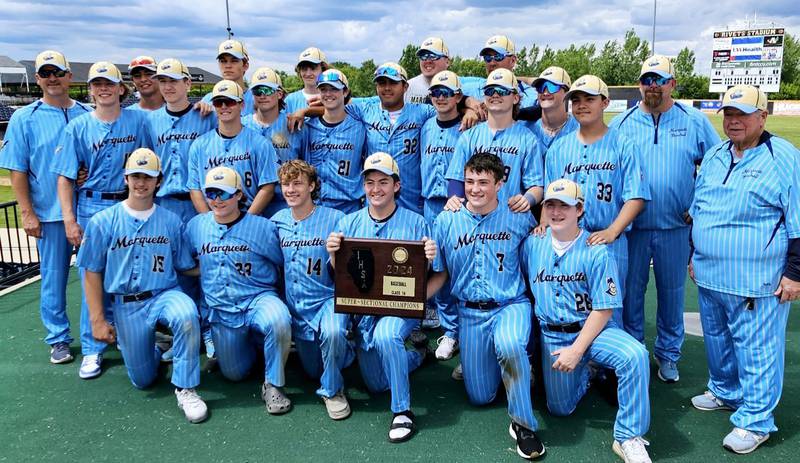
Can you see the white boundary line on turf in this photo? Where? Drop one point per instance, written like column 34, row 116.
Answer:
column 19, row 285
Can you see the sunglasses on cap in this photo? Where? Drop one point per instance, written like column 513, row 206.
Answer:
column 264, row 90
column 495, row 90
column 329, row 77
column 653, row 79
column 220, row 102
column 550, row 87
column 497, row 58
column 141, row 62
column 442, row 92
column 429, row 56
column 46, row 73
column 215, row 193
column 387, row 71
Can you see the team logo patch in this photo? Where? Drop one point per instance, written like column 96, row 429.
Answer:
column 498, row 76
column 443, row 78
column 166, row 66
column 558, row 188
column 580, row 83
column 611, row 290
column 219, row 177
column 549, row 72
column 224, row 88
column 102, row 70
column 141, row 161
column 261, row 76
column 654, row 63
column 227, row 46
column 427, row 43
column 736, row 95
column 400, row 255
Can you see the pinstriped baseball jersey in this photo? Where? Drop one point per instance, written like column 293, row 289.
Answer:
column 337, row 152
column 567, row 288
column 517, row 148
column 172, row 135
column 136, row 107
column 237, row 262
column 135, row 255
column 295, row 100
column 248, row 153
column 744, row 214
column 481, row 253
column 473, row 86
column 668, row 149
column 308, row 282
column 400, row 140
column 30, row 140
column 545, row 140
column 608, row 172
column 401, row 225
column 438, row 145
column 249, row 101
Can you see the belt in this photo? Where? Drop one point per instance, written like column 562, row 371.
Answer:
column 181, row 196
column 109, row 196
column 138, row 297
column 573, row 327
column 487, row 305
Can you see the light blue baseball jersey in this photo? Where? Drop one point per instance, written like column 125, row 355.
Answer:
column 295, row 100
column 28, row 146
column 308, row 282
column 237, row 262
column 337, row 152
column 400, row 140
column 567, row 288
column 608, row 171
column 136, row 107
column 545, row 140
column 438, row 144
column 517, row 148
column 473, row 87
column 401, row 225
column 135, row 255
column 172, row 135
column 669, row 147
column 744, row 214
column 249, row 101
column 248, row 153
column 481, row 253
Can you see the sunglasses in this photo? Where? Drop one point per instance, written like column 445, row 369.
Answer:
column 550, row 87
column 498, row 57
column 494, row 90
column 650, row 80
column 329, row 77
column 263, row 90
column 214, row 193
column 46, row 73
column 429, row 57
column 387, row 71
column 220, row 102
column 442, row 92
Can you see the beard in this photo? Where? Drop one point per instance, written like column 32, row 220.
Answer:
column 653, row 99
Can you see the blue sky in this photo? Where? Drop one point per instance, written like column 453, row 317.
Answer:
column 275, row 32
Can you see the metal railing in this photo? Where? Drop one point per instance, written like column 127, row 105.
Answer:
column 19, row 257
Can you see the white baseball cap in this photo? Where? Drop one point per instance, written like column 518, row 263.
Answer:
column 223, row 178
column 143, row 161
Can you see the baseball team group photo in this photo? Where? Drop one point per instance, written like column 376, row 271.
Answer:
column 464, row 249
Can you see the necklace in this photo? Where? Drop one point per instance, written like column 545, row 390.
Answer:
column 552, row 131
column 305, row 216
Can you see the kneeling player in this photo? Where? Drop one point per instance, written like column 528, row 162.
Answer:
column 131, row 251
column 319, row 334
column 240, row 261
column 574, row 285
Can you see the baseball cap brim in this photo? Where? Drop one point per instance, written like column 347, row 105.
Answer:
column 113, row 79
column 588, row 91
column 151, row 173
column 54, row 64
column 424, row 50
column 265, row 84
column 381, row 169
column 171, row 75
column 657, row 72
column 221, row 186
column 235, row 54
column 539, row 80
column 499, row 85
column 745, row 108
column 568, row 200
column 313, row 61
column 227, row 97
column 397, row 78
column 334, row 83
column 497, row 49
column 149, row 67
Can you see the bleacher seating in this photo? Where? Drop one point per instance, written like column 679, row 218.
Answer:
column 5, row 113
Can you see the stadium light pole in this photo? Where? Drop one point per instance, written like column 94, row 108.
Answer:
column 228, row 16
column 655, row 2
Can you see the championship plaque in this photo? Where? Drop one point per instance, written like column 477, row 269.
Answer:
column 381, row 277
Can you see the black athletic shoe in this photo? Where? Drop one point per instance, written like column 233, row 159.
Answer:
column 529, row 446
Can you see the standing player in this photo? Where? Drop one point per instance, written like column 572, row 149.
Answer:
column 233, row 63
column 236, row 146
column 382, row 357
column 27, row 151
column 240, row 259
column 310, row 64
column 551, row 87
column 318, row 332
column 335, row 144
column 99, row 141
column 479, row 252
column 434, row 57
column 269, row 119
column 574, row 286
column 499, row 53
column 143, row 70
column 604, row 162
column 131, row 251
column 746, row 262
column 671, row 139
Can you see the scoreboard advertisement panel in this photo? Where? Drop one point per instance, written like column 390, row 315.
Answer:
column 749, row 57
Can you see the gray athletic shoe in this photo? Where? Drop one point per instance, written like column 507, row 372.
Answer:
column 632, row 450
column 742, row 441
column 707, row 401
column 91, row 366
column 59, row 353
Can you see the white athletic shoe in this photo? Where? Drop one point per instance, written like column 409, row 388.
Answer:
column 192, row 405
column 447, row 348
column 632, row 450
column 91, row 366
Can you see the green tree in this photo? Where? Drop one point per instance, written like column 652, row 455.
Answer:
column 410, row 61
column 684, row 64
column 619, row 64
column 577, row 61
column 467, row 67
column 527, row 61
column 790, row 71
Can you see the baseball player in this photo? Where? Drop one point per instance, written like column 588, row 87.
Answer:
column 510, row 140
column 240, row 259
column 335, row 144
column 319, row 334
column 434, row 57
column 574, row 286
column 605, row 163
column 131, row 251
column 671, row 139
column 27, row 151
column 99, row 141
column 234, row 145
column 310, row 64
column 498, row 53
column 382, row 356
column 551, row 87
column 746, row 263
column 437, row 145
column 233, row 63
column 269, row 119
column 142, row 70
column 479, row 251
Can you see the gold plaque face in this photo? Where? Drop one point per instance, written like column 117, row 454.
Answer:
column 400, row 255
